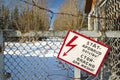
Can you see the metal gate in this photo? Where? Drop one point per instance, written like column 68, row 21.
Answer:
column 27, row 57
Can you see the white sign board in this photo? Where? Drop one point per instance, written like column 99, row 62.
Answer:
column 83, row 52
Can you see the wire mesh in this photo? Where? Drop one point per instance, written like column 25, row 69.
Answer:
column 29, row 59
column 35, row 60
column 111, row 11
column 26, row 59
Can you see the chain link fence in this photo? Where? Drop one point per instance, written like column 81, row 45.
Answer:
column 33, row 58
column 111, row 11
column 29, row 59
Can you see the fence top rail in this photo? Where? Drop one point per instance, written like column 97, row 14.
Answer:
column 96, row 34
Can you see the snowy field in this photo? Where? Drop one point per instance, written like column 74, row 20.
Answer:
column 36, row 61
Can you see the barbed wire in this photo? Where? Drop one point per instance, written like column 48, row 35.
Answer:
column 48, row 10
column 62, row 13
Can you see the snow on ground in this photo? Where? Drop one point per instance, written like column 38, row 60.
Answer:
column 36, row 61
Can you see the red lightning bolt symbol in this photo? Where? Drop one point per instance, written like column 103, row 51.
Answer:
column 69, row 44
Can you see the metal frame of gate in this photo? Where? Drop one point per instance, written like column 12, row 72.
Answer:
column 77, row 76
column 94, row 33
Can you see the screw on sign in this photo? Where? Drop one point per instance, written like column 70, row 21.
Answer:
column 82, row 52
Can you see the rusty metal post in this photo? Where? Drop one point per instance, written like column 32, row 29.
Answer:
column 2, row 77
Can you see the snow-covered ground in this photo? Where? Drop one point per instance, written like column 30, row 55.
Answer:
column 36, row 61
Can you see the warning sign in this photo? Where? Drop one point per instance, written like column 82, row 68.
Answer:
column 83, row 52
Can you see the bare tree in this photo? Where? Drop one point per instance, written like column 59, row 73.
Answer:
column 72, row 16
column 40, row 16
column 64, row 22
column 4, row 17
column 33, row 18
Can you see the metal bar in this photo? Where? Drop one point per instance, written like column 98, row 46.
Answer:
column 113, row 34
column 2, row 77
column 103, row 3
column 77, row 74
column 96, row 22
column 96, row 34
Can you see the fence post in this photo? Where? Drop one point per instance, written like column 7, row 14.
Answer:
column 77, row 74
column 2, row 77
column 96, row 28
